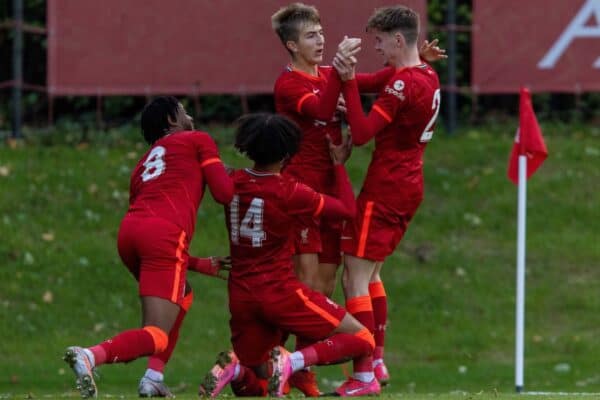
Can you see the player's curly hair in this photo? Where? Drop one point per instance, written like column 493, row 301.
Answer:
column 266, row 138
column 155, row 117
column 287, row 20
column 396, row 18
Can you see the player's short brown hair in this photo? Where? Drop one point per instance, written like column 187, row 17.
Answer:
column 288, row 20
column 396, row 18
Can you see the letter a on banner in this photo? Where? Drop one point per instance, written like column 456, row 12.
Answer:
column 576, row 29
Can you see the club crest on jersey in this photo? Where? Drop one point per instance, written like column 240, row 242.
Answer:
column 304, row 235
column 399, row 85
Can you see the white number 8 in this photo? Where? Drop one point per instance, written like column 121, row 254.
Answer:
column 154, row 164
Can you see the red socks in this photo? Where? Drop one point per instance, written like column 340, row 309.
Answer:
column 379, row 301
column 339, row 348
column 361, row 308
column 131, row 344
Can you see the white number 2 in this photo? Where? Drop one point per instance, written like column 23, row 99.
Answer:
column 428, row 132
column 155, row 165
column 252, row 224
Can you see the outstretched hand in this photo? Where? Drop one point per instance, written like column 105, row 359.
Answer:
column 348, row 48
column 221, row 266
column 340, row 153
column 344, row 67
column 431, row 52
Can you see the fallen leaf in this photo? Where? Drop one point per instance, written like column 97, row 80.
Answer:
column 48, row 297
column 28, row 258
column 48, row 236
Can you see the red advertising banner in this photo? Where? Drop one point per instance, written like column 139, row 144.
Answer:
column 546, row 45
column 142, row 47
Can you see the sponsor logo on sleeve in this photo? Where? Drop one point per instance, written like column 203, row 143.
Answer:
column 396, row 90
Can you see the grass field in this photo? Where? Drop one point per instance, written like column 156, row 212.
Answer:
column 450, row 284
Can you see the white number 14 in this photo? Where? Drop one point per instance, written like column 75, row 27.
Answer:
column 252, row 224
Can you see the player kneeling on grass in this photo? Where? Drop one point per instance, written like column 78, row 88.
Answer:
column 266, row 298
column 166, row 189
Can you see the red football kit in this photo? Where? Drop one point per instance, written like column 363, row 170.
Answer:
column 311, row 102
column 166, row 189
column 402, row 121
column 265, row 296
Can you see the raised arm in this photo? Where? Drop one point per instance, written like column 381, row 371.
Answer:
column 321, row 107
column 219, row 182
column 363, row 127
column 374, row 82
column 217, row 179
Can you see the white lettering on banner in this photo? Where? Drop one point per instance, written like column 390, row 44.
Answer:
column 576, row 29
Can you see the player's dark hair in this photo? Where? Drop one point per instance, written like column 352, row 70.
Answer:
column 288, row 20
column 266, row 138
column 396, row 18
column 155, row 117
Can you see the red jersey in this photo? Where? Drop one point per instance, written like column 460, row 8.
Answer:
column 259, row 220
column 310, row 101
column 168, row 181
column 402, row 121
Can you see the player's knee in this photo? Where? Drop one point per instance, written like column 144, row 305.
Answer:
column 159, row 337
column 366, row 336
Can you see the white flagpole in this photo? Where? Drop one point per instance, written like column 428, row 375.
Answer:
column 520, row 301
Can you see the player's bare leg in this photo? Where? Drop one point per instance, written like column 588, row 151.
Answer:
column 158, row 316
column 152, row 383
column 159, row 312
column 307, row 269
column 379, row 302
column 327, row 278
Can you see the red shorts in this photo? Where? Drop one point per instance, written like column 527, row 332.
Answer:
column 317, row 235
column 377, row 228
column 156, row 252
column 260, row 320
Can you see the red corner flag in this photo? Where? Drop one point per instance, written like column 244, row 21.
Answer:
column 528, row 141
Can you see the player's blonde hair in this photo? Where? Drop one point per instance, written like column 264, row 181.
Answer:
column 288, row 20
column 396, row 18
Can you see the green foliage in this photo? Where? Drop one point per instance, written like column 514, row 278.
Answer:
column 450, row 284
